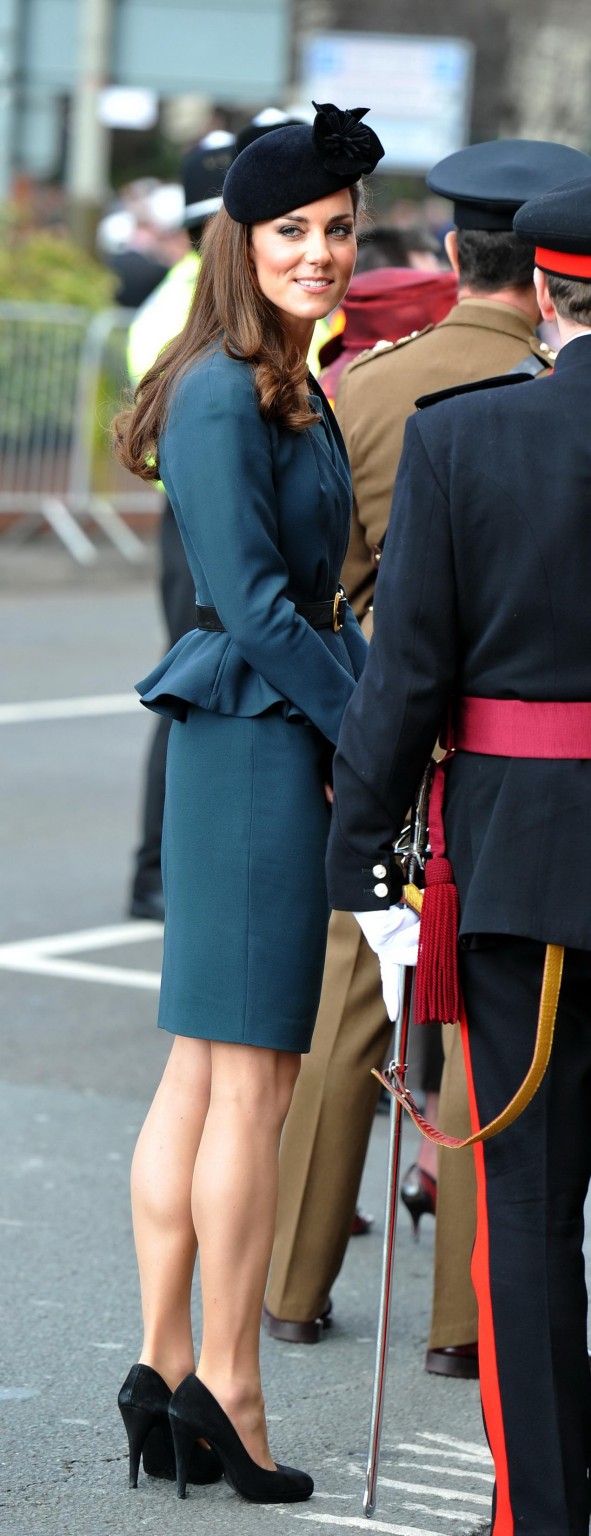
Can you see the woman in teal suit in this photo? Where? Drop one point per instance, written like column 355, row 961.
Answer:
column 256, row 471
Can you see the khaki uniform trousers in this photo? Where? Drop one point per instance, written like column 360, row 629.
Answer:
column 454, row 1319
column 325, row 1142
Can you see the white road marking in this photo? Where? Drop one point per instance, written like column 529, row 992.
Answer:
column 74, row 970
column 48, row 956
column 352, row 1522
column 440, row 1493
column 435, row 1450
column 444, row 1514
column 482, row 1477
column 318, row 1494
column 481, row 1452
column 87, row 938
column 70, row 709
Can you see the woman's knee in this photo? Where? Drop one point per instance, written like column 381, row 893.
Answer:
column 189, row 1066
column 255, row 1079
column 289, row 1068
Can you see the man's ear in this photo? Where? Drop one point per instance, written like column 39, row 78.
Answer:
column 451, row 250
column 545, row 304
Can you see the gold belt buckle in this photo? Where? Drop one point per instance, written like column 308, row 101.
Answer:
column 337, row 623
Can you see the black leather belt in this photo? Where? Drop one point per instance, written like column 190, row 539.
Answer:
column 330, row 614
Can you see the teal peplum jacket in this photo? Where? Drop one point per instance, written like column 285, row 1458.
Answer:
column 264, row 516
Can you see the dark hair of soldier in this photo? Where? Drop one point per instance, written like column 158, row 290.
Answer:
column 493, row 259
column 571, row 299
column 228, row 308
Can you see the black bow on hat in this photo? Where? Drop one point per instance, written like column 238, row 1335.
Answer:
column 344, row 143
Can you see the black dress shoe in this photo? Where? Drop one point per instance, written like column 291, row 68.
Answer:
column 195, row 1414
column 297, row 1333
column 148, row 904
column 460, row 1360
column 143, row 1405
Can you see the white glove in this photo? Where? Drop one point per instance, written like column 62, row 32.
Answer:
column 393, row 934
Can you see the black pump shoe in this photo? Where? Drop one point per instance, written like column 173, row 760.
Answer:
column 143, row 1404
column 193, row 1413
column 418, row 1192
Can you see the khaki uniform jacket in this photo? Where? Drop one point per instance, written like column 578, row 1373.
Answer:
column 477, row 340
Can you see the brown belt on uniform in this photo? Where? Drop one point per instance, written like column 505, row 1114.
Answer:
column 330, row 614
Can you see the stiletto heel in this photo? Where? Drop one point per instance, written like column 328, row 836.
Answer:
column 418, row 1192
column 194, row 1412
column 184, row 1436
column 143, row 1405
column 138, row 1423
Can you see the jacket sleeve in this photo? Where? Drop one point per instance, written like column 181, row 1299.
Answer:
column 399, row 704
column 218, row 455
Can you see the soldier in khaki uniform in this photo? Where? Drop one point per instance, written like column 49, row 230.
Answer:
column 491, row 331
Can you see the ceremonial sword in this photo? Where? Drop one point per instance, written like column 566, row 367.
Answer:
column 411, row 849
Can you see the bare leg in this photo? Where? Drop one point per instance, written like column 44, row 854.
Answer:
column 161, row 1178
column 234, row 1206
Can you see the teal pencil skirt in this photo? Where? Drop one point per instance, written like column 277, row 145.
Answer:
column 245, row 830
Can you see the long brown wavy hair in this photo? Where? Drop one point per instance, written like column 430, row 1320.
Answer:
column 228, row 309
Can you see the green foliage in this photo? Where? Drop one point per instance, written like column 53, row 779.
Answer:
column 43, row 267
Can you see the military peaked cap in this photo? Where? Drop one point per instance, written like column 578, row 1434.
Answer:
column 293, row 166
column 559, row 225
column 488, row 182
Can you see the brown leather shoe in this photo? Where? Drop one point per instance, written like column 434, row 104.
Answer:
column 459, row 1360
column 297, row 1333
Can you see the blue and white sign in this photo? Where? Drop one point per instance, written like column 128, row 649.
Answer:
column 419, row 89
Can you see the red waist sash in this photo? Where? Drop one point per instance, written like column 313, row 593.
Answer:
column 516, row 728
column 522, row 728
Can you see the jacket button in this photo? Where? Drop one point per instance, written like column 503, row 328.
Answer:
column 380, row 871
column 380, row 890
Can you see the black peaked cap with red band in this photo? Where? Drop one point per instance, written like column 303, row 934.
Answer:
column 559, row 226
column 296, row 165
column 488, row 182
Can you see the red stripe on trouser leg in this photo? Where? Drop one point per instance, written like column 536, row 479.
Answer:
column 490, row 1393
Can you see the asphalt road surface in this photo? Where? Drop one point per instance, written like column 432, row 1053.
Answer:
column 79, row 1058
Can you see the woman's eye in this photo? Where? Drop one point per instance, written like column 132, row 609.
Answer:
column 341, row 230
column 290, row 229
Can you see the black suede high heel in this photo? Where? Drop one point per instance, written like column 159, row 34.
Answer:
column 143, row 1404
column 195, row 1413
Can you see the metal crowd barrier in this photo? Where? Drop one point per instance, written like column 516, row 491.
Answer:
column 62, row 371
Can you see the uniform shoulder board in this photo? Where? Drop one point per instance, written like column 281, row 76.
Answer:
column 404, row 340
column 500, row 381
column 370, row 352
column 545, row 353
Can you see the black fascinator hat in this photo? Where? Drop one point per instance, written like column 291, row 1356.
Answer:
column 292, row 166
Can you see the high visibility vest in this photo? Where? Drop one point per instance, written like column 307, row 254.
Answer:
column 161, row 316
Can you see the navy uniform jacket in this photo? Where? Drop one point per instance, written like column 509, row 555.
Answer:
column 264, row 515
column 484, row 589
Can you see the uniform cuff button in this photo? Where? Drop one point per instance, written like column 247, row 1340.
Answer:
column 380, row 871
column 380, row 890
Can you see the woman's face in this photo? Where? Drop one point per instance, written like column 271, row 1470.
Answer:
column 304, row 261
